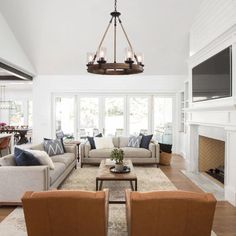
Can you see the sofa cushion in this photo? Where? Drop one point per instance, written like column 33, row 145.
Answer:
column 124, row 142
column 24, row 158
column 131, row 152
column 103, row 143
column 54, row 174
column 7, row 161
column 115, row 141
column 97, row 153
column 66, row 158
column 37, row 147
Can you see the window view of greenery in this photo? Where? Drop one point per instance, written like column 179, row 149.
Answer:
column 114, row 116
column 65, row 115
column 89, row 116
column 138, row 115
column 163, row 119
column 17, row 115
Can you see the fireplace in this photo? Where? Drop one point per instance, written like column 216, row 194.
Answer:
column 212, row 157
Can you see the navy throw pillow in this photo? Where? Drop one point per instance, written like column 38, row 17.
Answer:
column 91, row 140
column 24, row 158
column 145, row 141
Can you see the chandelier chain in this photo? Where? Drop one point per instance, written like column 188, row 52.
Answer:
column 115, row 5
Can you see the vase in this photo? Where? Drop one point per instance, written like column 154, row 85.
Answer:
column 119, row 167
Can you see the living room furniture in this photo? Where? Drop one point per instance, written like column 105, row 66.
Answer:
column 69, row 213
column 20, row 133
column 137, row 155
column 104, row 174
column 169, row 213
column 19, row 179
column 5, row 143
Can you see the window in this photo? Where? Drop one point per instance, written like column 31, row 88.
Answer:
column 138, row 115
column 89, row 116
column 17, row 115
column 30, row 114
column 65, row 115
column 163, row 119
column 114, row 116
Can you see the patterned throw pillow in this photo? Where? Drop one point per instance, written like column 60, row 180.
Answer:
column 134, row 141
column 53, row 147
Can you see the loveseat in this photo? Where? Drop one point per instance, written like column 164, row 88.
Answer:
column 15, row 180
column 137, row 155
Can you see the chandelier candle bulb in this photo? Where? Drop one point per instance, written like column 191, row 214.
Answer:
column 102, row 54
column 90, row 57
column 140, row 57
column 129, row 54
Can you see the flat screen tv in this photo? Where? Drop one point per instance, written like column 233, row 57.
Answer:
column 212, row 79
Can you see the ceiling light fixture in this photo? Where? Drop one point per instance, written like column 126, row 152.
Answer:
column 5, row 105
column 133, row 63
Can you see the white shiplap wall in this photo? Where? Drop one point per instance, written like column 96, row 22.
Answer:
column 213, row 19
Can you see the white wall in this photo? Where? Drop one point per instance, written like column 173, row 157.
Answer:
column 45, row 86
column 214, row 29
column 11, row 52
column 213, row 19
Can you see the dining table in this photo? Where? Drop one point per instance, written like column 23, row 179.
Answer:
column 20, row 133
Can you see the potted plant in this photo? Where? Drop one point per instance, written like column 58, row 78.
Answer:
column 118, row 156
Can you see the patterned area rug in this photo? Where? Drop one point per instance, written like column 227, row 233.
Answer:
column 149, row 178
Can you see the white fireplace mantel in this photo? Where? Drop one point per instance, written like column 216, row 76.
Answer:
column 228, row 134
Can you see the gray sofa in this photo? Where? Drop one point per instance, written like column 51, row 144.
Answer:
column 136, row 155
column 15, row 180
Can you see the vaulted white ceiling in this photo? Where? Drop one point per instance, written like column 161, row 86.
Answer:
column 57, row 34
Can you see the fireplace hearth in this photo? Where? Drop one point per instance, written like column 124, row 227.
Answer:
column 217, row 173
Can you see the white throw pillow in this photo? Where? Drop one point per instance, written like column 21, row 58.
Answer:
column 103, row 143
column 43, row 158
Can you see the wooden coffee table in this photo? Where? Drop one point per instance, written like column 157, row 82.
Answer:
column 104, row 174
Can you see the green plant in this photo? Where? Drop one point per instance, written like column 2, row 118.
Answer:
column 117, row 155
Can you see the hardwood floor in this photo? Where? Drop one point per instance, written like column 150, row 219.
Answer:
column 225, row 215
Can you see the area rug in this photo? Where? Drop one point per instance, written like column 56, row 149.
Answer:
column 149, row 178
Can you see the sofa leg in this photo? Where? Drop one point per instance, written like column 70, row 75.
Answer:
column 81, row 165
column 157, row 165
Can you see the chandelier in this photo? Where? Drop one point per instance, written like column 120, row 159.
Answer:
column 5, row 105
column 133, row 63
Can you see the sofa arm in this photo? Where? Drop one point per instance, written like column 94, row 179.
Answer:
column 16, row 180
column 157, row 151
column 71, row 148
column 84, row 149
column 152, row 148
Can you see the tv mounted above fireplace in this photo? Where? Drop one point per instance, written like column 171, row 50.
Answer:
column 212, row 79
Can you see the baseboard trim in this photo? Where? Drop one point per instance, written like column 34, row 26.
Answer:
column 230, row 195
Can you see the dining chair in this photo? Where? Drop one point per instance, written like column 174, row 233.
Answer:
column 5, row 144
